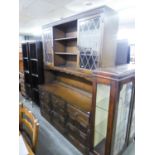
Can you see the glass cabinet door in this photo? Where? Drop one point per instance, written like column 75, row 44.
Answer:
column 90, row 32
column 48, row 45
column 132, row 128
column 121, row 118
column 101, row 116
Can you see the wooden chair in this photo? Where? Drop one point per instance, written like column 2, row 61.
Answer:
column 28, row 121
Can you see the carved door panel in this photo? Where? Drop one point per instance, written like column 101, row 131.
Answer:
column 48, row 45
column 90, row 33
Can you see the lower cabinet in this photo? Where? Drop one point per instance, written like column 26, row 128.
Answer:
column 66, row 118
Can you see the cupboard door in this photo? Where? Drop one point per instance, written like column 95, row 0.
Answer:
column 48, row 45
column 121, row 118
column 90, row 32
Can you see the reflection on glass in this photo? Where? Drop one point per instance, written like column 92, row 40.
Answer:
column 132, row 129
column 47, row 35
column 102, row 105
column 122, row 117
column 88, row 42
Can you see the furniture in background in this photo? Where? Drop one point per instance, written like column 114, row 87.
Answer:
column 28, row 126
column 83, row 98
column 21, row 73
column 33, row 68
column 21, row 67
column 22, row 84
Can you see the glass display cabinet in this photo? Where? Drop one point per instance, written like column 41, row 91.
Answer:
column 89, row 103
column 113, row 109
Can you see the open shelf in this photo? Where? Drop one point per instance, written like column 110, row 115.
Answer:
column 65, row 44
column 25, row 58
column 66, row 30
column 65, row 60
column 67, row 38
column 66, row 53
column 34, row 59
column 27, row 71
column 35, row 75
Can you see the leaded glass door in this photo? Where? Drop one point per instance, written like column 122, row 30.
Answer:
column 122, row 117
column 48, row 45
column 90, row 32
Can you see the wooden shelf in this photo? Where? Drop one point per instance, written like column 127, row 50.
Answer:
column 27, row 71
column 66, row 53
column 35, row 75
column 25, row 58
column 67, row 38
column 34, row 59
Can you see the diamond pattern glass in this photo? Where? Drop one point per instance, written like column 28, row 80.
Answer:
column 47, row 36
column 88, row 42
column 122, row 118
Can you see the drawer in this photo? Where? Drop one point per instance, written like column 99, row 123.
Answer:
column 46, row 112
column 58, row 102
column 83, row 138
column 58, row 118
column 59, row 127
column 45, row 98
column 78, row 145
column 78, row 118
column 60, row 111
column 72, row 130
column 76, row 133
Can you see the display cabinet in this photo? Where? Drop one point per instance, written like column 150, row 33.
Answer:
column 86, row 40
column 88, row 102
column 94, row 110
column 112, row 109
column 33, row 68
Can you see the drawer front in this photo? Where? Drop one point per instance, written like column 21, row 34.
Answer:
column 45, row 98
column 60, row 111
column 78, row 118
column 72, row 130
column 79, row 135
column 58, row 118
column 57, row 102
column 77, row 144
column 45, row 111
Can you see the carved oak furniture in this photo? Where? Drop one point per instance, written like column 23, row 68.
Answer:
column 86, row 96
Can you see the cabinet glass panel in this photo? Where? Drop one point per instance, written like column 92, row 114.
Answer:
column 101, row 114
column 132, row 129
column 48, row 45
column 89, row 34
column 122, row 118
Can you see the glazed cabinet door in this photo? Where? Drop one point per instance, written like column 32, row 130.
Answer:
column 90, row 34
column 48, row 45
column 122, row 118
